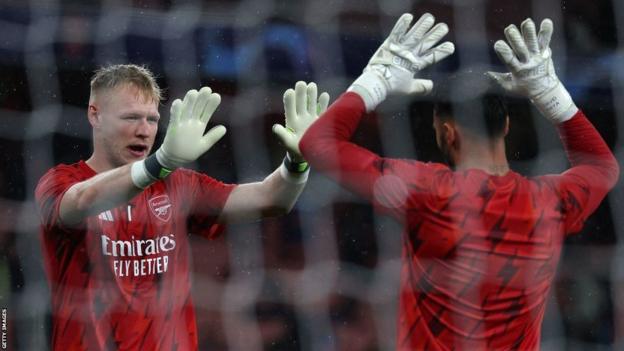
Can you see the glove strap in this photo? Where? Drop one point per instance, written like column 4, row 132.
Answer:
column 294, row 172
column 295, row 167
column 155, row 169
column 146, row 172
column 371, row 87
column 556, row 104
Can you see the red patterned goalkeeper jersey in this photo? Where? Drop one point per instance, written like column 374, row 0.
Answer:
column 120, row 280
column 479, row 251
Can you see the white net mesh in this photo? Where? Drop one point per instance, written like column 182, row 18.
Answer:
column 326, row 276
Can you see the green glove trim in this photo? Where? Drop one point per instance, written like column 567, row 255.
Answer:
column 295, row 167
column 155, row 169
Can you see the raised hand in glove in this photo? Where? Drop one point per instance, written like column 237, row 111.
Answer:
column 185, row 140
column 531, row 74
column 302, row 106
column 402, row 55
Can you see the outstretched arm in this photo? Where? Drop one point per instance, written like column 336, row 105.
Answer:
column 277, row 193
column 327, row 146
column 274, row 196
column 184, row 142
column 594, row 169
column 391, row 70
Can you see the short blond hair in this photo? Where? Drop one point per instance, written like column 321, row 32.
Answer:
column 113, row 76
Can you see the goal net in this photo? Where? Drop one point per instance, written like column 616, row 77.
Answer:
column 326, row 276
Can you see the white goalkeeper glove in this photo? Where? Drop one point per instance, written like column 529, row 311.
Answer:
column 532, row 73
column 302, row 107
column 185, row 140
column 400, row 57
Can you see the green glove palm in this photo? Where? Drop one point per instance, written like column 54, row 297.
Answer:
column 185, row 140
column 302, row 106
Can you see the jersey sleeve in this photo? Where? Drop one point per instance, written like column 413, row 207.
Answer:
column 49, row 192
column 387, row 183
column 593, row 174
column 207, row 198
column 407, row 190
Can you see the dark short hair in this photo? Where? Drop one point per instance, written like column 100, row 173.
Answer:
column 472, row 100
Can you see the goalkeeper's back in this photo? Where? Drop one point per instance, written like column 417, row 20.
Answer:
column 487, row 290
column 479, row 250
column 481, row 242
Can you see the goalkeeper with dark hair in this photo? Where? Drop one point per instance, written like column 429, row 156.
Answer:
column 114, row 227
column 481, row 242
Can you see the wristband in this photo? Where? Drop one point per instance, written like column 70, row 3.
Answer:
column 146, row 172
column 294, row 178
column 555, row 104
column 294, row 172
column 371, row 88
column 295, row 167
column 155, row 169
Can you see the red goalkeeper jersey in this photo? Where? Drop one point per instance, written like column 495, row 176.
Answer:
column 479, row 251
column 120, row 280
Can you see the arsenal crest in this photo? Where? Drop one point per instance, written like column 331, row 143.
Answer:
column 161, row 207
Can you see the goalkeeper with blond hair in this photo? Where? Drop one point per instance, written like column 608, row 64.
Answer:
column 481, row 242
column 114, row 227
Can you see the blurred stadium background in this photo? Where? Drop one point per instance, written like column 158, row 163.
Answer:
column 324, row 277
